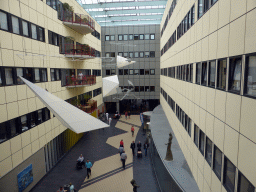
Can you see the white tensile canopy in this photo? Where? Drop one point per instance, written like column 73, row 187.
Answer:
column 70, row 116
column 121, row 61
column 110, row 85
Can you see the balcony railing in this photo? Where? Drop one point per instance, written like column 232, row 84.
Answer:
column 80, row 81
column 90, row 106
column 79, row 50
column 74, row 20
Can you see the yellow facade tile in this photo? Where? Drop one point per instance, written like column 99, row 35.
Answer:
column 15, row 144
column 32, row 104
column 5, row 166
column 250, row 40
column 22, row 92
column 207, row 174
column 5, row 150
column 23, row 107
column 7, row 57
column 17, row 41
column 216, row 184
column 223, row 36
column 24, row 9
column 34, row 133
column 209, row 125
column 17, row 158
column 238, row 8
column 203, row 98
column 2, row 95
column 11, row 94
column 18, row 58
column 3, row 113
column 35, row 146
column 27, row 152
column 213, row 45
column 220, row 105
column 218, row 138
column 202, row 120
column 12, row 110
column 42, row 142
column 6, row 40
column 5, row 6
column 250, row 5
column 25, row 138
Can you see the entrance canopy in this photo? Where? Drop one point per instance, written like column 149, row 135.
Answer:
column 110, row 85
column 70, row 116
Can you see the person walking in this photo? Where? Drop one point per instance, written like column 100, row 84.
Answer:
column 134, row 185
column 71, row 187
column 121, row 150
column 139, row 145
column 88, row 166
column 129, row 114
column 126, row 114
column 61, row 189
column 146, row 148
column 121, row 143
column 132, row 147
column 107, row 116
column 123, row 158
column 132, row 130
column 109, row 120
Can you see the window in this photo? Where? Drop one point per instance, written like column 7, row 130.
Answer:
column 191, row 73
column 207, row 4
column 34, row 33
column 125, row 37
column 146, row 71
column 147, row 36
column 136, row 54
column 29, row 74
column 221, row 74
column 192, row 15
column 125, row 54
column 108, row 72
column 211, row 75
column 141, row 71
column 235, row 68
column 120, row 54
column 19, row 72
column 250, row 76
column 112, row 37
column 136, row 71
column 201, row 143
column 131, row 54
column 52, row 75
column 13, row 127
column 44, row 75
column 41, row 34
column 120, row 37
column 244, row 184
column 15, row 25
column 196, row 134
column 217, row 162
column 152, row 53
column 152, row 36
column 24, row 123
column 39, row 116
column 120, row 71
column 107, row 55
column 130, row 37
column 125, row 71
column 152, row 88
column 136, row 37
column 55, row 39
column 3, row 25
column 229, row 175
column 9, row 76
column 3, row 132
column 208, row 151
column 198, row 72
column 131, row 71
column 141, row 54
column 213, row 1
column 137, row 88
column 113, row 71
column 200, row 8
column 147, row 89
column 57, row 72
column 204, row 73
column 142, row 89
column 46, row 114
column 141, row 37
column 106, row 37
column 152, row 71
column 25, row 28
column 146, row 53
column 37, row 75
column 189, row 125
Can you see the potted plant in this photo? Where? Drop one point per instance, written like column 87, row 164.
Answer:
column 67, row 12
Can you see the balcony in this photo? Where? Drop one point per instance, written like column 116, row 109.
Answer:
column 90, row 106
column 80, row 23
column 80, row 81
column 80, row 51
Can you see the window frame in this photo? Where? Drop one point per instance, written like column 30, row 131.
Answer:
column 209, row 74
column 106, row 38
column 231, row 81
column 198, row 73
column 120, row 39
column 208, row 160
column 217, row 172
column 226, row 161
column 246, row 74
column 7, row 21
column 196, row 140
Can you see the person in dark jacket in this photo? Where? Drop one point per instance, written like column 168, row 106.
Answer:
column 132, row 147
column 145, row 146
column 139, row 145
column 134, row 184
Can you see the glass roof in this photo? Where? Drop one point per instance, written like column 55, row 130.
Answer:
column 125, row 12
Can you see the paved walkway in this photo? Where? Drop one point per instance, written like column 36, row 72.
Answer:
column 101, row 147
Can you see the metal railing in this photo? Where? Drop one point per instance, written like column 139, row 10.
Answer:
column 90, row 106
column 72, row 81
column 71, row 49
column 71, row 17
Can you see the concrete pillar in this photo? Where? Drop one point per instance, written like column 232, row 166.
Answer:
column 118, row 106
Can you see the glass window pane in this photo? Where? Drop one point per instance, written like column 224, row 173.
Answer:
column 3, row 133
column 136, row 72
column 208, row 152
column 125, row 71
column 125, row 37
column 251, row 76
column 131, row 54
column 204, row 74
column 244, row 184
column 120, row 71
column 3, row 22
column 152, row 71
column 44, row 75
column 146, row 36
column 141, row 37
column 217, row 162
column 141, row 88
column 152, row 36
column 147, row 54
column 141, row 54
column 198, row 73
column 191, row 72
column 152, row 53
column 33, row 120
column 212, row 70
column 41, row 35
column 130, row 37
column 136, row 37
column 52, row 75
column 1, row 82
column 196, row 135
column 125, row 54
column 13, row 127
column 131, row 71
column 106, row 37
column 19, row 73
column 222, row 72
column 8, row 76
column 120, row 37
column 112, row 37
column 193, row 15
column 200, row 8
column 107, row 55
column 201, row 144
column 34, row 33
column 235, row 68
column 25, row 28
column 24, row 123
column 141, row 71
column 146, row 71
column 120, row 54
column 57, row 71
column 37, row 75
column 15, row 25
column 229, row 175
column 136, row 54
column 40, row 116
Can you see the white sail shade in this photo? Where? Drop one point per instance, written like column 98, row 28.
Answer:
column 110, row 85
column 69, row 115
column 121, row 61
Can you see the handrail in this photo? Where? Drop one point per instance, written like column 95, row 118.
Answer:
column 80, row 49
column 72, row 81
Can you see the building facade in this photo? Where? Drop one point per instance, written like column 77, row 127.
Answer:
column 54, row 44
column 208, row 89
column 140, row 44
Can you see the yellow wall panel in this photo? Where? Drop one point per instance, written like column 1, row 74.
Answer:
column 41, row 129
column 213, row 45
column 3, row 113
column 5, row 166
column 18, row 58
column 27, row 151
column 238, row 8
column 7, row 57
column 17, row 158
column 33, row 15
column 207, row 174
column 216, row 184
column 24, row 9
column 25, row 138
column 250, row 40
column 32, row 104
column 218, row 134
column 2, row 95
column 12, row 110
column 42, row 142
column 223, row 36
column 5, row 150
column 224, row 12
column 17, row 42
column 6, row 40
column 206, row 186
column 251, row 4
column 209, row 126
column 35, row 146
column 200, row 182
column 220, row 105
column 22, row 92
column 34, row 133
column 11, row 94
column 15, row 144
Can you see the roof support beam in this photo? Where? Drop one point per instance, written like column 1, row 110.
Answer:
column 124, row 4
column 154, row 22
column 128, row 17
column 133, row 11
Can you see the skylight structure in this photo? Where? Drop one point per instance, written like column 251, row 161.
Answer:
column 125, row 12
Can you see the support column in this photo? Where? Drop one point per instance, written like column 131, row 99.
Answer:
column 118, row 106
